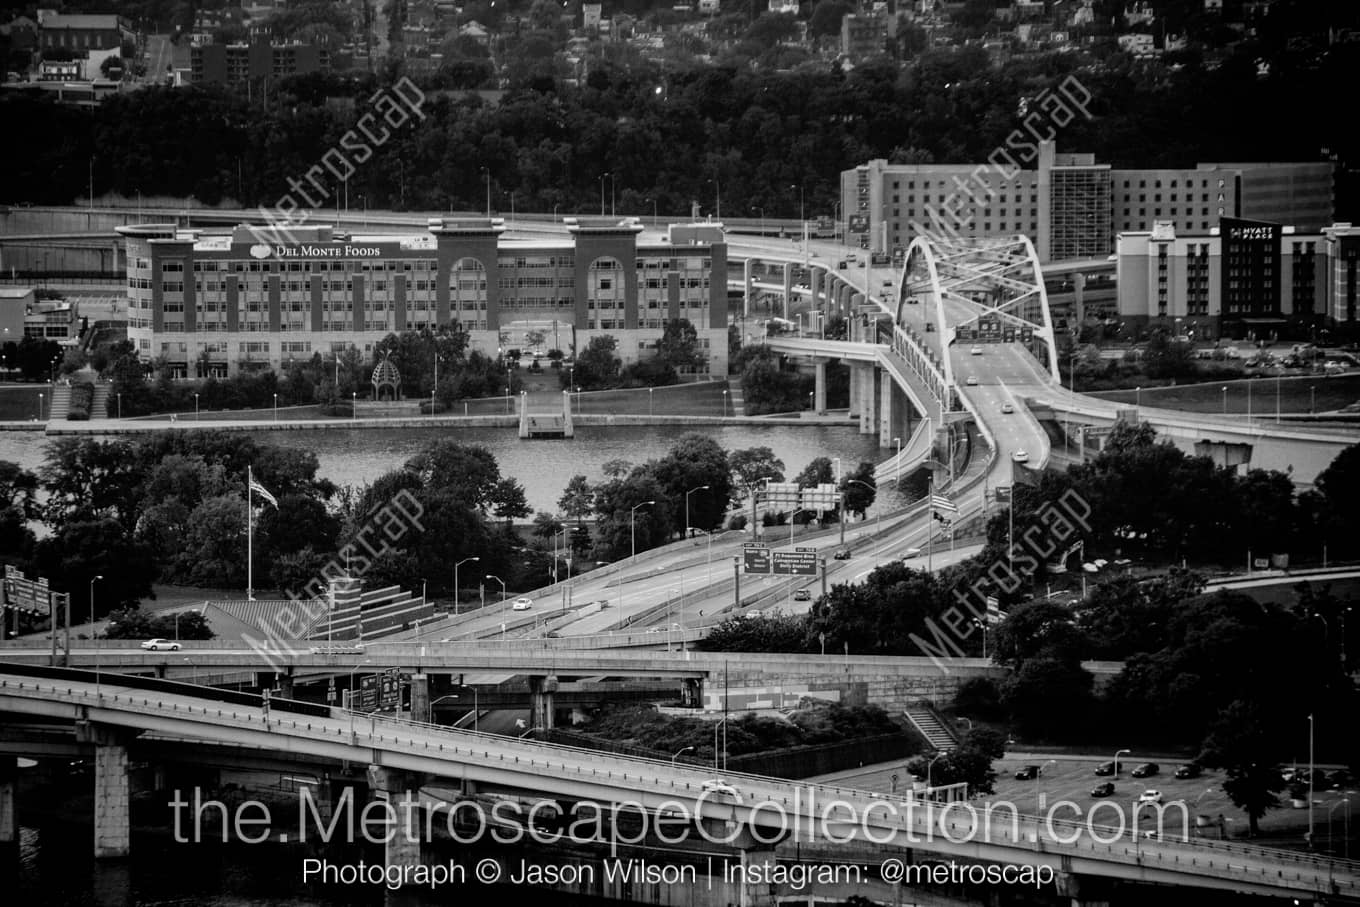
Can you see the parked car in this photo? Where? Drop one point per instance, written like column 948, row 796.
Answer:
column 975, row 351
column 1105, row 768
column 843, row 554
column 1189, row 770
column 158, row 645
column 1029, row 773
column 523, row 604
column 972, row 381
column 1339, row 779
column 1150, row 796
column 1105, row 789
column 1007, row 409
column 1020, row 456
column 802, row 595
column 1146, row 770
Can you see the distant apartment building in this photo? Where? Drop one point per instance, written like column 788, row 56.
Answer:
column 83, row 32
column 238, row 64
column 1069, row 205
column 1244, row 278
column 864, row 36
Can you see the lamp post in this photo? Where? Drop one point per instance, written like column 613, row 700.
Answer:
column 897, row 464
column 195, row 407
column 632, row 530
column 120, row 406
column 1138, row 396
column 602, row 176
column 724, row 404
column 1347, row 829
column 1311, row 772
column 1312, row 399
column 762, row 218
column 40, row 406
column 96, row 578
column 1038, row 807
column 502, row 582
column 649, row 402
column 678, row 753
column 353, row 405
column 487, row 174
column 1116, row 760
column 687, row 494
column 930, row 765
column 276, row 407
column 1225, row 399
column 878, row 518
column 476, row 710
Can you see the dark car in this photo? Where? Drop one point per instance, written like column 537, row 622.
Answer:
column 843, row 554
column 1189, row 770
column 1103, row 790
column 1146, row 770
column 1028, row 773
column 1339, row 779
column 1105, row 768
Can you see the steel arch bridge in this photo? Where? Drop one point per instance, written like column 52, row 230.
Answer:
column 994, row 285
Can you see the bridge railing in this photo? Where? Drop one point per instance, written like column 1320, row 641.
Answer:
column 432, row 741
column 920, row 360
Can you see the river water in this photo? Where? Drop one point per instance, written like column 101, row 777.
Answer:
column 543, row 466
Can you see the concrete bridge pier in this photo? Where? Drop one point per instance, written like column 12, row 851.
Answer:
column 285, row 684
column 401, row 790
column 421, row 709
column 757, row 849
column 692, row 693
column 819, row 387
column 112, row 828
column 541, row 690
column 1083, row 891
column 887, row 410
column 9, row 807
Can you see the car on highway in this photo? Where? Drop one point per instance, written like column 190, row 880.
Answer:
column 975, row 351
column 843, row 554
column 1105, row 768
column 972, row 381
column 1029, row 773
column 523, row 604
column 1020, row 456
column 1146, row 770
column 1104, row 789
column 1189, row 770
column 158, row 645
column 802, row 595
column 1007, row 409
column 911, row 553
column 1150, row 796
column 718, row 786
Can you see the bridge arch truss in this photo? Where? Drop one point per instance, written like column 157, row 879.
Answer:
column 962, row 283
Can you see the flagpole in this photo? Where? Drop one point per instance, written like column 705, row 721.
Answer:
column 250, row 540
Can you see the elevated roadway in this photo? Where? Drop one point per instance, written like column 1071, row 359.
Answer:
column 755, row 803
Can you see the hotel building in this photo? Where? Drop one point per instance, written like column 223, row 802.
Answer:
column 253, row 297
column 1070, row 206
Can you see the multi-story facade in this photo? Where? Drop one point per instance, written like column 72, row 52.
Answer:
column 1071, row 206
column 1245, row 278
column 238, row 64
column 83, row 32
column 252, row 298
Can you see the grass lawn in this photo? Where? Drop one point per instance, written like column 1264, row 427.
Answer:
column 1296, row 395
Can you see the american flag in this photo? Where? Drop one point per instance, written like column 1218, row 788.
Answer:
column 263, row 492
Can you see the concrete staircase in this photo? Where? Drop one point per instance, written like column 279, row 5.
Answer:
column 736, row 403
column 60, row 402
column 99, row 408
column 930, row 726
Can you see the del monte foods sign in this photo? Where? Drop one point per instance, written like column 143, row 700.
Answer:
column 312, row 250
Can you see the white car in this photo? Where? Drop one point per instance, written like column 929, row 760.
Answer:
column 976, row 351
column 1020, row 456
column 1150, row 796
column 523, row 604
column 972, row 381
column 157, row 645
column 911, row 553
column 1007, row 409
column 714, row 786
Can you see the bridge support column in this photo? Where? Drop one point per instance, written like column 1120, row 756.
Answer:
column 692, row 693
column 819, row 387
column 420, row 698
column 1083, row 891
column 541, row 690
column 401, row 790
column 748, row 278
column 9, row 808
column 788, row 289
column 285, row 682
column 757, row 849
column 112, row 829
column 887, row 418
column 865, row 399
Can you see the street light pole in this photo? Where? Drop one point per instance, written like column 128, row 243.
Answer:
column 632, row 530
column 1116, row 760
column 687, row 494
column 679, row 753
column 502, row 582
column 96, row 578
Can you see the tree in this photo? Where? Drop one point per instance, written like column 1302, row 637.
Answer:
column 1125, row 615
column 1247, row 746
column 679, row 345
column 546, row 526
column 578, row 499
column 88, row 479
column 1037, row 629
column 597, row 367
column 696, row 462
column 1049, row 697
column 469, row 472
column 507, row 500
column 134, row 623
column 766, row 633
column 970, row 762
column 17, row 488
column 83, row 549
column 753, row 467
column 859, row 489
column 826, row 17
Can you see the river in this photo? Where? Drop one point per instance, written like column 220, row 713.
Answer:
column 543, row 466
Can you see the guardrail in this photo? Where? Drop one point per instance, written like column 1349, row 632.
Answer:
column 409, row 742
